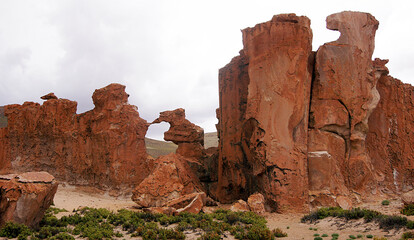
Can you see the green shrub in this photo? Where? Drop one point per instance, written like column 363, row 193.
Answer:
column 257, row 232
column 211, row 236
column 352, row 237
column 316, row 235
column 385, row 202
column 408, row 235
column 324, row 235
column 359, row 236
column 408, row 210
column 279, row 233
column 369, row 236
column 15, row 230
column 390, row 222
column 317, row 238
column 62, row 236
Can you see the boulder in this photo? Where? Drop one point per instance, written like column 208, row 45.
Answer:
column 263, row 115
column 408, row 197
column 102, row 148
column 256, row 203
column 24, row 198
column 171, row 178
column 240, row 206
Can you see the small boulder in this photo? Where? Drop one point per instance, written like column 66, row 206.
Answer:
column 256, row 203
column 408, row 197
column 172, row 178
column 344, row 202
column 240, row 206
column 24, row 198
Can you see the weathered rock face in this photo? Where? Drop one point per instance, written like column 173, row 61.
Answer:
column 104, row 147
column 390, row 136
column 263, row 115
column 188, row 136
column 172, row 178
column 343, row 96
column 24, row 198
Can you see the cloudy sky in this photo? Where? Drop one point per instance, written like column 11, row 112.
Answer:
column 167, row 53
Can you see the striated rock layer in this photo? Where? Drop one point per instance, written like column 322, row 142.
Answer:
column 263, row 115
column 103, row 147
column 24, row 198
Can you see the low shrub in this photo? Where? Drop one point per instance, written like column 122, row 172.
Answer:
column 408, row 210
column 15, row 230
column 277, row 232
column 385, row 203
column 408, row 235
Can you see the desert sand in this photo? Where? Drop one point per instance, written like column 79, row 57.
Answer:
column 69, row 198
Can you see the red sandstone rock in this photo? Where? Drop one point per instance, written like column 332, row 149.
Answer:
column 104, row 147
column 343, row 96
column 24, row 198
column 188, row 136
column 390, row 136
column 263, row 115
column 240, row 206
column 256, row 203
column 408, row 197
column 191, row 203
column 49, row 96
column 171, row 178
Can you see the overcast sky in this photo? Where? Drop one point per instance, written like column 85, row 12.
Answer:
column 167, row 53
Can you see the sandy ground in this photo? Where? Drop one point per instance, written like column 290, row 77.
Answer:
column 70, row 198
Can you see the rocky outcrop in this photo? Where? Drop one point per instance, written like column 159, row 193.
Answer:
column 172, row 178
column 103, row 147
column 263, row 115
column 24, row 198
column 390, row 135
column 344, row 95
column 188, row 136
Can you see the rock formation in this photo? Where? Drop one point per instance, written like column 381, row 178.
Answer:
column 357, row 142
column 343, row 96
column 188, row 136
column 263, row 114
column 172, row 178
column 103, row 147
column 24, row 198
column 390, row 136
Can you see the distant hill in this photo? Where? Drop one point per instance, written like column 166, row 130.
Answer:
column 210, row 140
column 156, row 148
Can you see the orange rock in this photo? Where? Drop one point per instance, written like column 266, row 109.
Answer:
column 256, row 203
column 103, row 148
column 188, row 136
column 240, row 206
column 171, row 178
column 391, row 133
column 24, row 198
column 49, row 96
column 263, row 115
column 191, row 203
column 343, row 96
